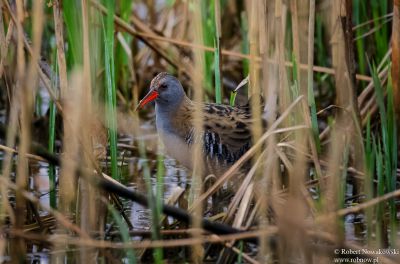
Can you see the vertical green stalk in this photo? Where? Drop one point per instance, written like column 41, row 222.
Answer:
column 359, row 8
column 378, row 9
column 124, row 231
column 73, row 21
column 208, row 25
column 52, row 138
column 369, row 179
column 217, row 71
column 155, row 217
column 217, row 52
column 244, row 30
column 232, row 98
column 389, row 144
column 295, row 86
column 392, row 155
column 121, row 59
column 342, row 186
column 380, row 192
column 38, row 105
column 110, row 86
column 310, row 77
column 245, row 50
column 160, row 184
column 240, row 255
column 52, row 169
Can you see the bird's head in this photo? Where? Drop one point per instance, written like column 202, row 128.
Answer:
column 165, row 89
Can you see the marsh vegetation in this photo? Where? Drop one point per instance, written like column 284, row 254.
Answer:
column 85, row 179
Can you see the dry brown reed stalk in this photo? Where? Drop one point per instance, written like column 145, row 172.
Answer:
column 303, row 9
column 327, row 250
column 14, row 151
column 366, row 101
column 3, row 47
column 296, row 40
column 69, row 162
column 263, row 173
column 197, row 155
column 46, row 81
column 86, row 193
column 283, row 91
column 59, row 31
column 61, row 218
column 330, row 188
column 12, row 125
column 176, row 194
column 343, row 62
column 25, row 88
column 66, row 197
column 273, row 129
column 242, row 189
column 254, row 73
column 290, row 233
column 255, row 14
column 132, row 71
column 144, row 36
column 306, row 138
column 148, row 244
column 310, row 49
column 153, row 45
column 6, row 208
column 4, row 40
column 43, row 77
column 239, row 208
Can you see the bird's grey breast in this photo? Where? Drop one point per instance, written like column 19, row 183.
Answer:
column 175, row 146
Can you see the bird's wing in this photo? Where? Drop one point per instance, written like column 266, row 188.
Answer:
column 227, row 132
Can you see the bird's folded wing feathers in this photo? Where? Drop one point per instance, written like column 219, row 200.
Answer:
column 227, row 133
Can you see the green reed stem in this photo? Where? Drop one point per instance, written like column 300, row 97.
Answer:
column 73, row 25
column 217, row 72
column 121, row 59
column 244, row 30
column 111, row 102
column 369, row 179
column 232, row 98
column 217, row 52
column 359, row 12
column 124, row 231
column 155, row 217
column 342, row 186
column 52, row 169
column 389, row 144
column 380, row 191
column 158, row 252
column 51, row 143
column 160, row 183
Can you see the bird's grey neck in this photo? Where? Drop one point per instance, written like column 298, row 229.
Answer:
column 164, row 116
column 165, row 108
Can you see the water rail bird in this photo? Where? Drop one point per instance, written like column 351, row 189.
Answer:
column 226, row 135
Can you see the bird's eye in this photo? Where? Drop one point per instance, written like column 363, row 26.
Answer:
column 163, row 86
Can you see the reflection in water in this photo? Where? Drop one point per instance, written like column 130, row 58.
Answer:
column 174, row 175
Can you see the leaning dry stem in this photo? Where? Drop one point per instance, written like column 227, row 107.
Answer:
column 271, row 130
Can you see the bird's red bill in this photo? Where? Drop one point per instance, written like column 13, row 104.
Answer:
column 151, row 96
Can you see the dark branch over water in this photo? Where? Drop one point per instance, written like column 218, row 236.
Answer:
column 122, row 191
